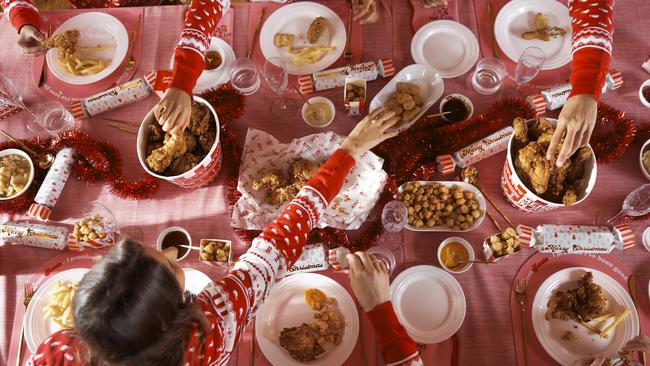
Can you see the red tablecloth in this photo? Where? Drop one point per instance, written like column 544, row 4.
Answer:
column 486, row 335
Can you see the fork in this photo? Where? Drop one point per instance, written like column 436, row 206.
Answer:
column 29, row 293
column 520, row 296
column 131, row 63
column 347, row 56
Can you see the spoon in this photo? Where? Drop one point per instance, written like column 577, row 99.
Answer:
column 44, row 161
column 310, row 110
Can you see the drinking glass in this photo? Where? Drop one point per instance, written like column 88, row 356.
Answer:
column 9, row 95
column 384, row 256
column 394, row 217
column 528, row 65
column 637, row 203
column 276, row 76
column 244, row 76
column 488, row 75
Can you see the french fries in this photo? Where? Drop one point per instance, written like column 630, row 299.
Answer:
column 72, row 64
column 59, row 307
column 310, row 55
column 72, row 58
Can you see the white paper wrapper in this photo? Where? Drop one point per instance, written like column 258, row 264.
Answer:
column 262, row 153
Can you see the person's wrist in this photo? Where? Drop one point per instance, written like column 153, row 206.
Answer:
column 350, row 147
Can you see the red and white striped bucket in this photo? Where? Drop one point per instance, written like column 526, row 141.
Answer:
column 525, row 199
column 199, row 176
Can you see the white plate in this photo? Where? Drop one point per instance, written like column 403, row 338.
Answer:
column 295, row 19
column 96, row 29
column 221, row 75
column 37, row 329
column 587, row 344
column 429, row 303
column 285, row 307
column 482, row 206
column 518, row 16
column 447, row 46
column 428, row 79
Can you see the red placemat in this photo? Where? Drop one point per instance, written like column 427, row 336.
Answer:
column 62, row 262
column 537, row 269
column 422, row 15
column 544, row 80
column 341, row 8
column 65, row 93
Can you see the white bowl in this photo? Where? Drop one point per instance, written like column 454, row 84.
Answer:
column 215, row 77
column 466, row 244
column 95, row 29
column 643, row 100
column 464, row 99
column 169, row 230
column 23, row 154
column 646, row 238
column 314, row 100
column 427, row 78
column 644, row 148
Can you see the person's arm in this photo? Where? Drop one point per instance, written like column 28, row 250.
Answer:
column 397, row 347
column 592, row 25
column 60, row 349
column 21, row 13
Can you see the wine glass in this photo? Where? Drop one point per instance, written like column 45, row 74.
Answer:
column 9, row 95
column 244, row 76
column 276, row 76
column 637, row 203
column 394, row 217
column 528, row 65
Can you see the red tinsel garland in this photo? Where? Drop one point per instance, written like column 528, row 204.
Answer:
column 411, row 156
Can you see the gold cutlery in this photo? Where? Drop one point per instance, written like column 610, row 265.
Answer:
column 347, row 56
column 631, row 285
column 520, row 296
column 495, row 48
column 43, row 161
column 29, row 293
column 470, row 175
column 257, row 33
column 190, row 247
column 41, row 80
column 131, row 63
column 126, row 126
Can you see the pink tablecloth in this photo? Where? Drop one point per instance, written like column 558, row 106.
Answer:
column 486, row 335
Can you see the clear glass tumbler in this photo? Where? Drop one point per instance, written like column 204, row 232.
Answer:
column 245, row 76
column 384, row 256
column 53, row 117
column 488, row 75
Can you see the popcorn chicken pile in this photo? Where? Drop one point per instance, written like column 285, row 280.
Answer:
column 215, row 250
column 504, row 243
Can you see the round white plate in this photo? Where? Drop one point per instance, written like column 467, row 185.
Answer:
column 285, row 308
column 429, row 302
column 518, row 16
column 295, row 19
column 587, row 344
column 428, row 79
column 37, row 329
column 447, row 46
column 96, row 29
column 221, row 75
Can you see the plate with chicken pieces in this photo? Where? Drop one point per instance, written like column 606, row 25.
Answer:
column 557, row 186
column 442, row 206
column 410, row 93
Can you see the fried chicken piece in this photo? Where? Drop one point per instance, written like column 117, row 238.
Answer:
column 283, row 40
column 407, row 88
column 271, row 180
column 183, row 164
column 406, row 101
column 544, row 35
column 316, row 29
column 303, row 170
column 200, row 119
column 283, row 194
column 521, row 131
column 190, row 140
column 160, row 158
column 541, row 21
column 554, row 193
column 578, row 161
column 207, row 140
column 570, row 197
column 301, row 343
column 585, row 302
column 532, row 164
column 66, row 41
column 538, row 127
column 155, row 132
column 394, row 106
column 545, row 140
column 154, row 146
column 315, row 298
column 409, row 115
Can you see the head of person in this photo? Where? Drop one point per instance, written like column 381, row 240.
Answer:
column 131, row 309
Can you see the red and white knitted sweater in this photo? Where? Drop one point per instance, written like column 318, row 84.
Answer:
column 200, row 22
column 230, row 304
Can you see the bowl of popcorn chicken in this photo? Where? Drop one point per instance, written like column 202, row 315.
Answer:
column 215, row 251
column 442, row 206
column 16, row 173
column 501, row 245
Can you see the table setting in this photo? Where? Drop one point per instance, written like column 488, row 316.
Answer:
column 485, row 258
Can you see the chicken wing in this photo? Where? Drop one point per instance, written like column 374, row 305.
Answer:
column 200, row 119
column 578, row 164
column 521, row 131
column 163, row 156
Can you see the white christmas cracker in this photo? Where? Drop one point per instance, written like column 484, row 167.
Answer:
column 475, row 152
column 52, row 186
column 312, row 259
column 333, row 78
column 36, row 235
column 575, row 239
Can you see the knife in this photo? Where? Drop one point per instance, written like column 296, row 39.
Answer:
column 631, row 285
column 41, row 80
column 495, row 48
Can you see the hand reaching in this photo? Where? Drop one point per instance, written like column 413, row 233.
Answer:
column 371, row 131
column 369, row 280
column 30, row 41
column 577, row 121
column 174, row 110
column 365, row 11
column 639, row 343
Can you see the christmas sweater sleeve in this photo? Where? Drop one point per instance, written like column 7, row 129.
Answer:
column 397, row 347
column 59, row 349
column 231, row 303
column 201, row 20
column 592, row 25
column 21, row 12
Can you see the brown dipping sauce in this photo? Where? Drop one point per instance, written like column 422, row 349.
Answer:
column 176, row 239
column 457, row 108
column 212, row 60
column 646, row 93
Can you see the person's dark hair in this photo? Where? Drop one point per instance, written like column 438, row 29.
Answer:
column 130, row 310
